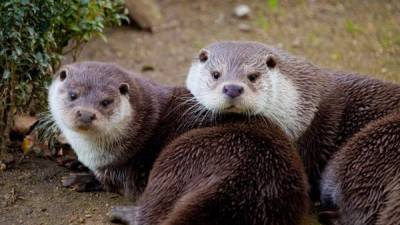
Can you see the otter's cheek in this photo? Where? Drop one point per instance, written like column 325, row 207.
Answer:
column 213, row 100
column 69, row 121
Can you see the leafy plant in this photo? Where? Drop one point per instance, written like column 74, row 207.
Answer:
column 272, row 5
column 34, row 35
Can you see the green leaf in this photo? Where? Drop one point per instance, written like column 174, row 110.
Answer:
column 6, row 74
column 18, row 50
column 33, row 34
column 31, row 31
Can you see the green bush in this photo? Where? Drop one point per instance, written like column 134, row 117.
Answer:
column 34, row 35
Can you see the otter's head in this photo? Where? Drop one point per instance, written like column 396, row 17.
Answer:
column 246, row 77
column 91, row 99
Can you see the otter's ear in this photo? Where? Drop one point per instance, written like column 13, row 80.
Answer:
column 203, row 55
column 271, row 62
column 124, row 88
column 63, row 74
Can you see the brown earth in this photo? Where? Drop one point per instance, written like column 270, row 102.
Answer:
column 354, row 35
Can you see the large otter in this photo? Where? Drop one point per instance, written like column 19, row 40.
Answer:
column 363, row 178
column 241, row 172
column 318, row 108
column 117, row 122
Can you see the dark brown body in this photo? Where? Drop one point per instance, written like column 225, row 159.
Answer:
column 235, row 173
column 363, row 179
column 319, row 109
column 163, row 119
column 160, row 114
column 349, row 103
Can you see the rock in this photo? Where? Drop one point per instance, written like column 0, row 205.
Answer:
column 146, row 13
column 244, row 27
column 242, row 11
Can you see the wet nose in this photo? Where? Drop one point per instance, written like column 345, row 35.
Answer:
column 233, row 90
column 85, row 116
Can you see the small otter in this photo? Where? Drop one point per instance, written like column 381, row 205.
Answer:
column 239, row 172
column 363, row 178
column 117, row 122
column 318, row 108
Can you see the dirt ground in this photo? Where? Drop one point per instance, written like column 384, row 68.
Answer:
column 355, row 35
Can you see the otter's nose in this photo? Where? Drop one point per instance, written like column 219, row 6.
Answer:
column 85, row 116
column 232, row 90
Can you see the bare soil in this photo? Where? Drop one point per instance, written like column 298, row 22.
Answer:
column 353, row 35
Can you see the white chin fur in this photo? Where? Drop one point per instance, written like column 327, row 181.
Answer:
column 194, row 78
column 277, row 99
column 281, row 104
column 93, row 152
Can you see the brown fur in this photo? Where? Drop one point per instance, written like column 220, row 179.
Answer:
column 347, row 103
column 363, row 178
column 160, row 114
column 340, row 103
column 230, row 174
column 235, row 173
column 350, row 104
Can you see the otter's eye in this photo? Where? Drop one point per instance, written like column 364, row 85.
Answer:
column 253, row 77
column 106, row 102
column 215, row 75
column 73, row 96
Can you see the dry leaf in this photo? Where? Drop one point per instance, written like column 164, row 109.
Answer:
column 27, row 144
column 22, row 123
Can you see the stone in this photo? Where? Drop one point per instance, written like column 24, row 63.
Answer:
column 146, row 13
column 242, row 11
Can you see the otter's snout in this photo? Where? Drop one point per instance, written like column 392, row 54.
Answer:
column 232, row 90
column 85, row 117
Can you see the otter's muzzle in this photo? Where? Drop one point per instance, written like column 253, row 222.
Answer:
column 232, row 90
column 85, row 117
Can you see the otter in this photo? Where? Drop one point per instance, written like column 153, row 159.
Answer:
column 319, row 109
column 363, row 178
column 238, row 172
column 117, row 122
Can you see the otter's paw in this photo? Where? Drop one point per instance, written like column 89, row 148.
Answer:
column 81, row 182
column 124, row 214
column 74, row 165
